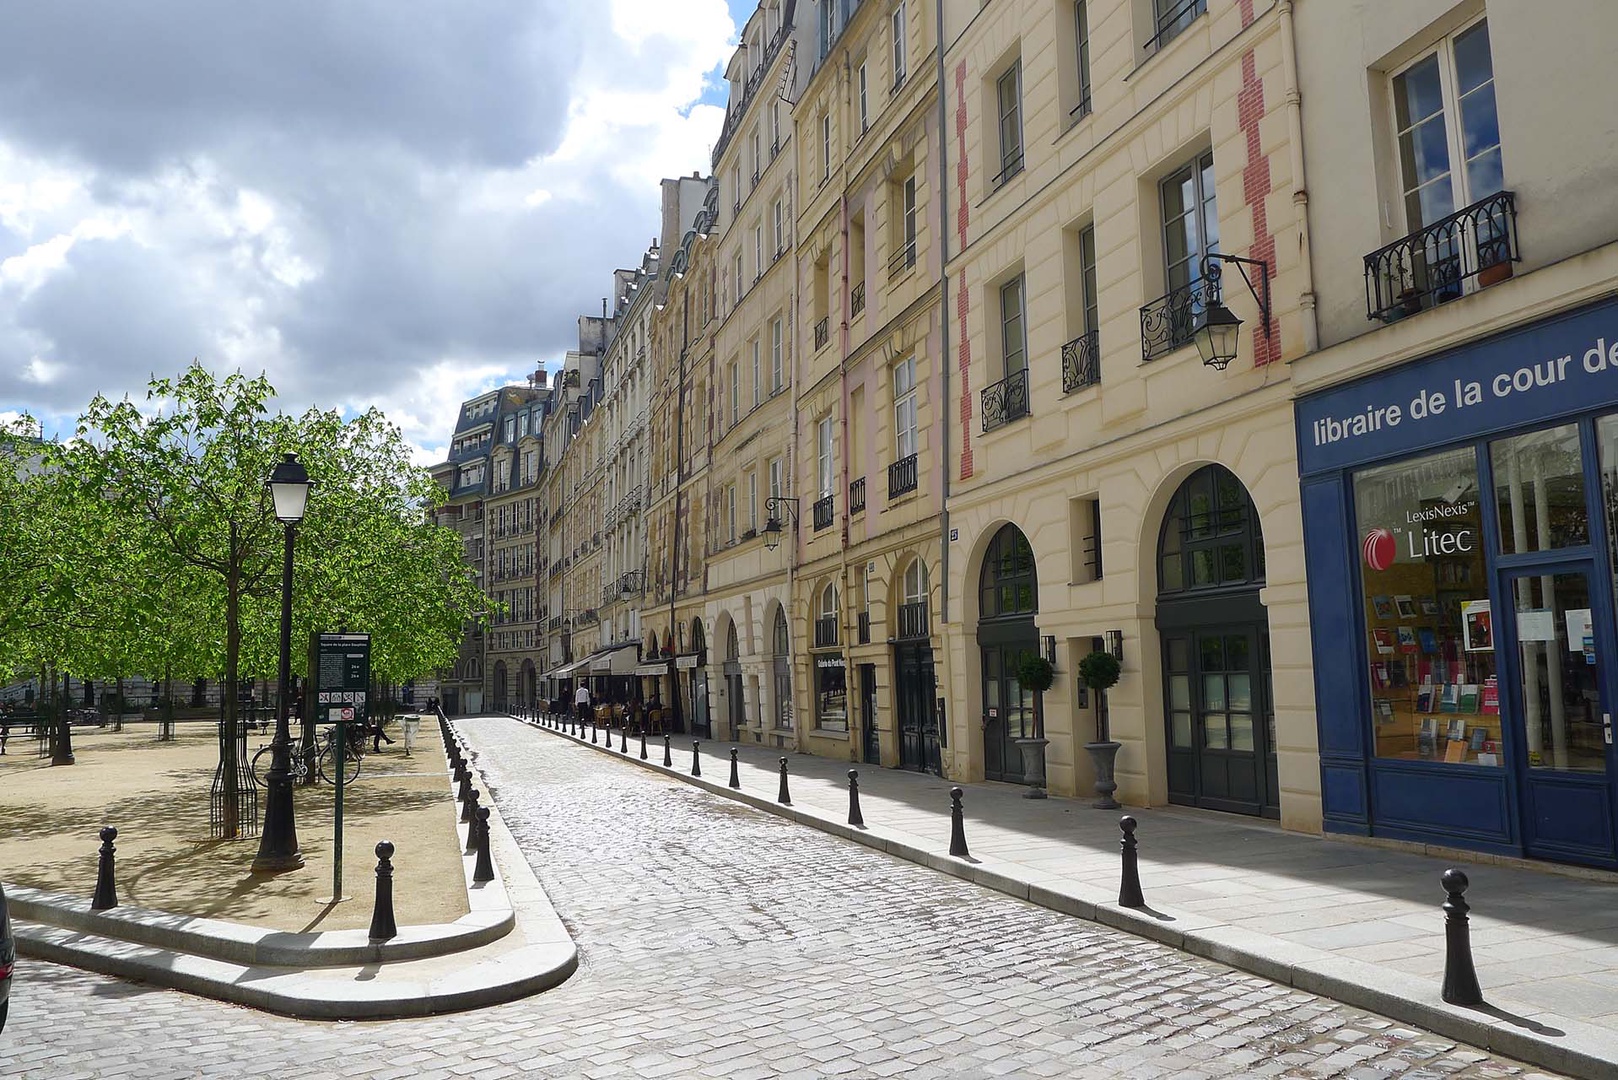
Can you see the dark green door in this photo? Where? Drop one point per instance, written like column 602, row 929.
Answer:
column 1221, row 724
column 1008, row 711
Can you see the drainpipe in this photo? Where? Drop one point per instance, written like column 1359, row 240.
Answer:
column 1300, row 190
column 944, row 354
column 846, row 334
column 679, row 484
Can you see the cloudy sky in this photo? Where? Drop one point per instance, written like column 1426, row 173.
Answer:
column 389, row 202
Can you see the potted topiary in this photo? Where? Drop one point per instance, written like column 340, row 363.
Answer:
column 1035, row 673
column 1100, row 671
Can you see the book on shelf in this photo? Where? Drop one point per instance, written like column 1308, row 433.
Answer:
column 1469, row 698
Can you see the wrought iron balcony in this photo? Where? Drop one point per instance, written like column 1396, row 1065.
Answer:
column 1472, row 248
column 856, row 495
column 1006, row 400
column 865, row 627
column 913, row 620
column 822, row 332
column 1081, row 362
column 902, row 476
column 825, row 631
column 1011, row 167
column 1171, row 22
column 631, row 584
column 856, row 299
column 555, row 624
column 1167, row 322
column 823, row 513
column 902, row 260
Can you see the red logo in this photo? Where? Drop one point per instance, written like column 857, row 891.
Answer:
column 1379, row 549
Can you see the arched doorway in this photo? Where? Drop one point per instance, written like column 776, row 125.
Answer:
column 697, row 693
column 500, row 703
column 1217, row 700
column 780, row 642
column 914, row 685
column 526, row 683
column 733, row 683
column 1008, row 592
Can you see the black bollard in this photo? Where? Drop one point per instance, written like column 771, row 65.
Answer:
column 643, row 743
column 855, row 818
column 469, row 806
column 484, row 870
column 668, row 754
column 382, row 925
column 62, row 745
column 957, row 824
column 735, row 777
column 472, row 826
column 592, row 731
column 623, row 737
column 463, row 778
column 696, row 763
column 782, row 796
column 1460, row 976
column 1129, row 894
column 106, row 894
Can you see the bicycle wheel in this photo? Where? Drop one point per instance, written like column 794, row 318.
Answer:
column 351, row 767
column 260, row 765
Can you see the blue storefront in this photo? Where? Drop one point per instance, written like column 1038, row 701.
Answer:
column 1460, row 514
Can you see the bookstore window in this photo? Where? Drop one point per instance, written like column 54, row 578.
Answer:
column 1430, row 624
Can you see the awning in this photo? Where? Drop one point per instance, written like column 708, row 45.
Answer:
column 616, row 660
column 659, row 668
column 567, row 671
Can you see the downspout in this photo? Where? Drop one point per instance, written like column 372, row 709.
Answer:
column 943, row 318
column 679, row 484
column 846, row 334
column 1300, row 190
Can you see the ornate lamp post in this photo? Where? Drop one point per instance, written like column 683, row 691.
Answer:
column 278, row 841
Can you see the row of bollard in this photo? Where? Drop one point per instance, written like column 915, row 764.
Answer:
column 1460, row 985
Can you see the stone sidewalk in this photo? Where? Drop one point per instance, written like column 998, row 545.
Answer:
column 1353, row 921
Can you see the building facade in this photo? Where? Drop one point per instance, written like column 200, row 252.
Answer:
column 1458, row 429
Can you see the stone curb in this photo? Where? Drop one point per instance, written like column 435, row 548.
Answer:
column 330, row 976
column 1580, row 1050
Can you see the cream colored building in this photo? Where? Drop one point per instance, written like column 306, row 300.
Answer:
column 511, row 520
column 872, row 419
column 1460, row 159
column 1103, row 480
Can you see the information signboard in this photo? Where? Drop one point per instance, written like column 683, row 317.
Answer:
column 342, row 672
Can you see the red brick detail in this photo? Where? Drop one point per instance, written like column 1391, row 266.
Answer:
column 1255, row 189
column 963, row 301
column 1246, row 8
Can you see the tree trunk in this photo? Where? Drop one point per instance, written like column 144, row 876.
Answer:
column 232, row 810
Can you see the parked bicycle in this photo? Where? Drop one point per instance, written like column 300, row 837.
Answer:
column 324, row 764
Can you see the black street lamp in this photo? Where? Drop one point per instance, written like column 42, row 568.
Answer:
column 278, row 841
column 772, row 524
column 1215, row 329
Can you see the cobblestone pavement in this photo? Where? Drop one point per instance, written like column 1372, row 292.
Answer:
column 716, row 941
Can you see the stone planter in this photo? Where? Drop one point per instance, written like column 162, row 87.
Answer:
column 1033, row 766
column 1103, row 755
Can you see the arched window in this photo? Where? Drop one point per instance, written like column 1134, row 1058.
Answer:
column 1211, row 537
column 780, row 637
column 1009, row 587
column 733, row 649
column 826, row 617
column 915, row 582
column 699, row 641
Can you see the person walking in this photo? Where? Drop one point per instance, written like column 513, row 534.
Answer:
column 581, row 701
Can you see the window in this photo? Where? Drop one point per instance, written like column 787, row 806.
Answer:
column 511, row 428
column 1087, row 276
column 1084, row 544
column 823, row 456
column 752, row 502
column 1211, row 537
column 865, row 111
column 776, row 479
column 1429, row 624
column 1008, row 97
column 735, row 393
column 730, row 512
column 905, row 220
column 899, row 45
column 776, row 370
column 1444, row 113
column 831, row 683
column 904, row 408
column 775, row 128
column 757, row 384
column 1170, row 17
column 1007, row 587
column 1190, row 231
column 828, row 27
column 1081, row 30
column 739, row 288
column 780, row 229
column 757, row 160
column 1013, row 338
column 825, row 146
column 522, row 425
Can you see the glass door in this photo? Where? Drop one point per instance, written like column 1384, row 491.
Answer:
column 1558, row 649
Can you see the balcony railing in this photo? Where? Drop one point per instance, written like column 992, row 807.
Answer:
column 1472, row 248
column 902, row 476
column 913, row 621
column 856, row 496
column 631, row 584
column 825, row 631
column 1167, row 322
column 1081, row 362
column 738, row 109
column 823, row 513
column 1011, row 167
column 1173, row 20
column 1006, row 400
column 865, row 627
column 555, row 624
column 902, row 260
column 856, row 299
column 822, row 332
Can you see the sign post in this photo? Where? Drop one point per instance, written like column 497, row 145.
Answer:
column 342, row 680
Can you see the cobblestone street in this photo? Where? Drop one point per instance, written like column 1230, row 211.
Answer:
column 720, row 942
